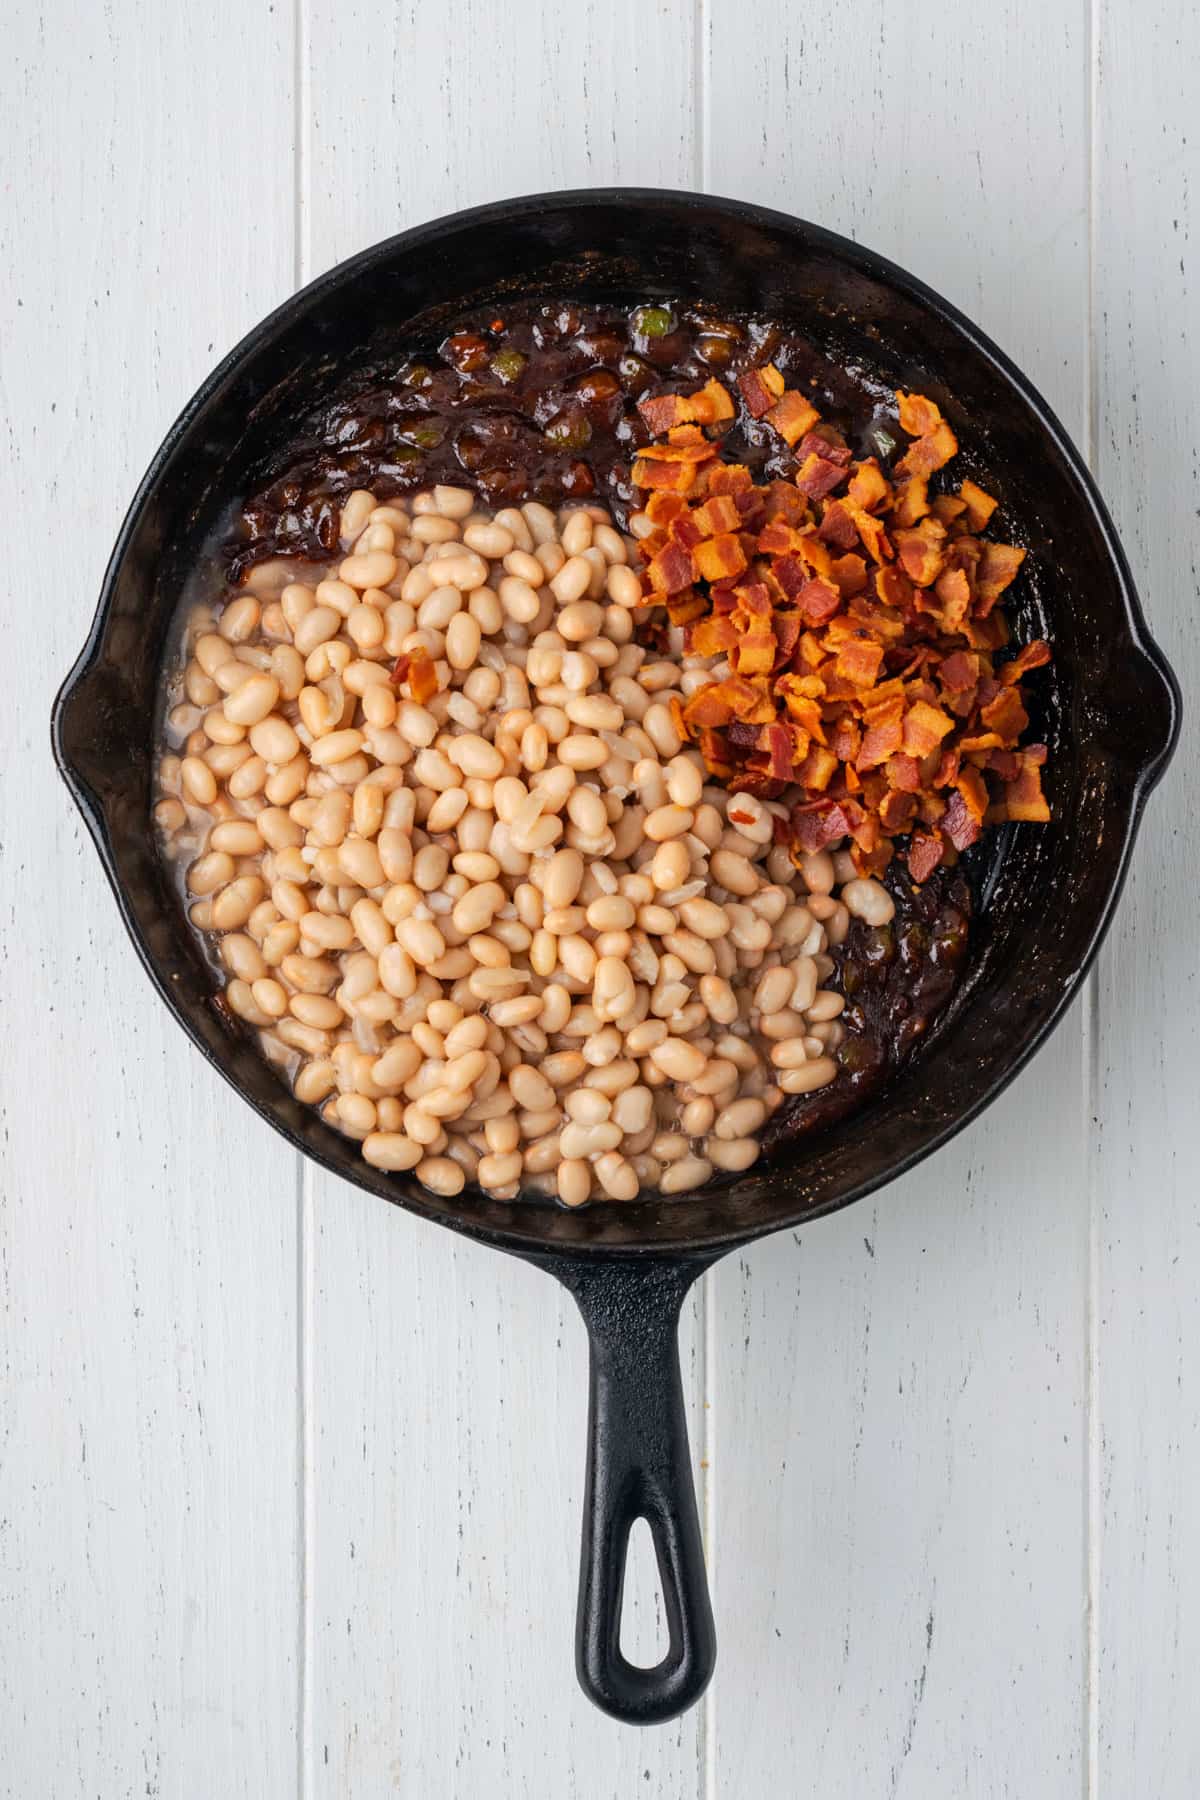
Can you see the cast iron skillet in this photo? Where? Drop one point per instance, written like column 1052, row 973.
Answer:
column 1110, row 713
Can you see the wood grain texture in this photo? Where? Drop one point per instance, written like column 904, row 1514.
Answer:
column 1146, row 1737
column 448, row 1386
column 148, row 1525
column 899, row 1425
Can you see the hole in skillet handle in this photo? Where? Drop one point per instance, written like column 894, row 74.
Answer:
column 639, row 1467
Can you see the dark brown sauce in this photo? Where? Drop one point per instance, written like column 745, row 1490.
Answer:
column 542, row 405
column 896, row 979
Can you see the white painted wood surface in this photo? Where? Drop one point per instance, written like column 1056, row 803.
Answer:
column 289, row 1485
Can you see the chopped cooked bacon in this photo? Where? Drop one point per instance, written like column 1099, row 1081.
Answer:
column 1023, row 798
column 997, row 567
column 918, row 414
column 1006, row 716
column 920, row 551
column 776, row 740
column 818, row 476
column 419, row 673
column 870, row 687
column 792, row 416
column 838, row 527
column 860, row 660
column 660, row 412
column 925, row 851
column 1034, row 656
column 718, row 558
column 875, row 539
column 760, row 389
column 717, row 514
column 959, row 670
column 727, row 478
column 708, row 406
column 850, row 575
column 670, row 570
column 822, row 443
column 818, row 600
column 924, row 728
column 912, row 500
column 980, row 506
column 869, row 487
column 973, row 788
column 958, row 824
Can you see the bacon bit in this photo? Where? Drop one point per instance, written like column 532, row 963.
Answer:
column 924, row 728
column 950, row 511
column 671, row 570
column 1006, row 716
column 685, row 443
column 678, row 476
column 755, row 653
column 971, row 785
column 920, row 551
column 708, row 406
column 825, row 443
column 760, row 389
column 728, row 478
column 896, row 811
column 818, row 600
column 661, row 411
column 860, row 661
column 1035, row 655
column 784, row 501
column 928, row 454
column 980, row 506
column 712, row 404
column 838, row 527
column 818, row 476
column 925, row 851
column 869, row 488
column 718, row 558
column 918, row 415
column 786, row 626
column 894, row 589
column 776, row 740
column 904, row 772
column 912, row 501
column 998, row 565
column 1023, row 798
column 875, row 539
column 953, row 589
column 720, row 514
column 418, row 670
column 707, row 709
column 712, row 637
column 873, row 692
column 850, row 575
column 958, row 824
column 818, row 769
column 959, row 671
column 881, row 741
column 683, row 608
column 793, row 416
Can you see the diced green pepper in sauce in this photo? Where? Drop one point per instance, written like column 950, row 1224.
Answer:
column 508, row 364
column 652, row 321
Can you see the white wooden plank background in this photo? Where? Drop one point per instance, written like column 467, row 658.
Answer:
column 289, row 1485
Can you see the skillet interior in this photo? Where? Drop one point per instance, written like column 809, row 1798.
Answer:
column 1109, row 703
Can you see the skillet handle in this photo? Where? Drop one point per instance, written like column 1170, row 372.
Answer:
column 638, row 1467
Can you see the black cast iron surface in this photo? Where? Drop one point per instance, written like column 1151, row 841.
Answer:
column 1111, row 720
